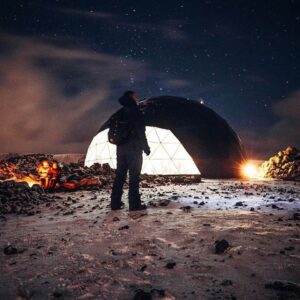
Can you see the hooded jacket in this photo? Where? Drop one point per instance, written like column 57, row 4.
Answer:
column 136, row 119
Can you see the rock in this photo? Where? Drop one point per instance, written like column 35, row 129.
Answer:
column 284, row 286
column 154, row 294
column 165, row 202
column 143, row 268
column 239, row 203
column 170, row 265
column 9, row 250
column 57, row 294
column 124, row 227
column 19, row 198
column 142, row 295
column 226, row 282
column 284, row 165
column 77, row 176
column 296, row 216
column 221, row 246
column 274, row 206
column 186, row 208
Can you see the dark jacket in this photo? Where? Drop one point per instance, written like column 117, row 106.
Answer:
column 136, row 120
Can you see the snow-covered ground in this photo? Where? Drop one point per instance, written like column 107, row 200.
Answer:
column 260, row 195
column 78, row 248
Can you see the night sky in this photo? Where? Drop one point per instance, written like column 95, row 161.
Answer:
column 65, row 63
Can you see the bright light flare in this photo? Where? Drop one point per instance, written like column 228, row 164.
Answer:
column 249, row 170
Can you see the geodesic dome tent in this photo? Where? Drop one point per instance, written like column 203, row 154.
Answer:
column 208, row 139
column 168, row 156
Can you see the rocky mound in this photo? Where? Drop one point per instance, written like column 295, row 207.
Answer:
column 19, row 198
column 284, row 165
column 21, row 165
column 25, row 165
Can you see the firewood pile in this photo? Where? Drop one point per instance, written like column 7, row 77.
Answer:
column 284, row 165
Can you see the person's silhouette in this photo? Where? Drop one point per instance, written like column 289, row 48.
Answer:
column 130, row 155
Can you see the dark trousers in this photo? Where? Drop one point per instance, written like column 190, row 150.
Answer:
column 127, row 161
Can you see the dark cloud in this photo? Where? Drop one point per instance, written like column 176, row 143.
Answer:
column 286, row 129
column 53, row 98
column 37, row 112
column 171, row 30
column 100, row 15
column 284, row 132
column 177, row 83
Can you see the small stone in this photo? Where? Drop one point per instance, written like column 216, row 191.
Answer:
column 221, row 246
column 143, row 268
column 124, row 227
column 57, row 294
column 142, row 295
column 226, row 282
column 284, row 286
column 296, row 216
column 170, row 265
column 9, row 250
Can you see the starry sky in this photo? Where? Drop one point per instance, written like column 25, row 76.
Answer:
column 65, row 63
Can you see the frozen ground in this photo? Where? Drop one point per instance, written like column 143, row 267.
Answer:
column 261, row 195
column 79, row 249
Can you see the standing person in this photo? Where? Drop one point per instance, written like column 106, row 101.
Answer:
column 129, row 152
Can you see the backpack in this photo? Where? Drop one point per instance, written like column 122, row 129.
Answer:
column 119, row 128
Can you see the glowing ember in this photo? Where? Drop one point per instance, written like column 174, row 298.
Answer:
column 30, row 181
column 249, row 170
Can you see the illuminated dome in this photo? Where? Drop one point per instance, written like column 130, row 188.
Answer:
column 168, row 156
column 208, row 139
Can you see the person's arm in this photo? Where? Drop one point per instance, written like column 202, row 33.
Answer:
column 140, row 129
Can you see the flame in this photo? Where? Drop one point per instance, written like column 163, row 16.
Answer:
column 10, row 173
column 30, row 181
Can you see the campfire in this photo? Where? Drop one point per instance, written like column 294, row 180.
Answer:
column 47, row 174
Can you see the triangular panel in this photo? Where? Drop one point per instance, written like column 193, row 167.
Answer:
column 168, row 156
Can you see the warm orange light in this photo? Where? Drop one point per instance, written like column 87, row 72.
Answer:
column 249, row 170
column 30, row 181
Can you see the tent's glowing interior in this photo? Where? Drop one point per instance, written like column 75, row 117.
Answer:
column 168, row 156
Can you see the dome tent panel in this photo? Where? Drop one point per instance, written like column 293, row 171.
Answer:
column 209, row 140
column 159, row 162
column 170, row 149
column 101, row 145
column 215, row 148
